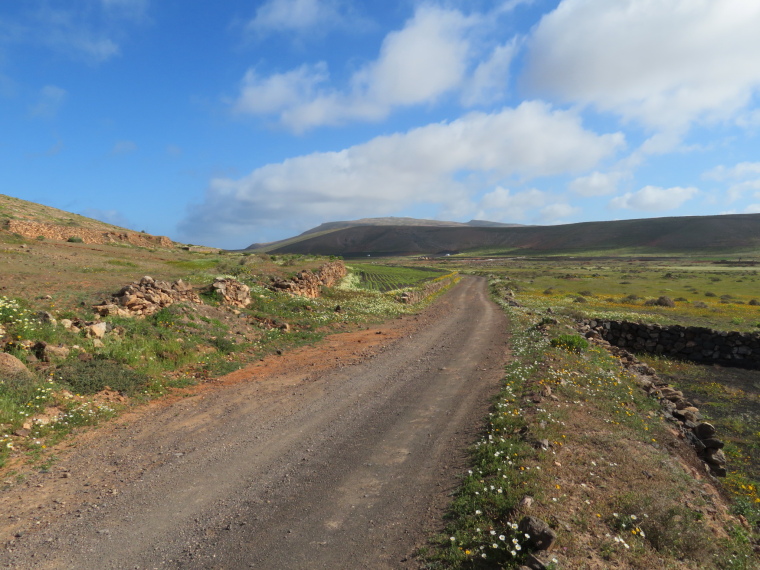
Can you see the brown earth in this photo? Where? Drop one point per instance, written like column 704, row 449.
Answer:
column 339, row 455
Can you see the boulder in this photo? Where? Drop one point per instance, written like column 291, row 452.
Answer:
column 704, row 430
column 12, row 367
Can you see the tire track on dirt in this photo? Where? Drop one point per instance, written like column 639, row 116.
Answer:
column 341, row 468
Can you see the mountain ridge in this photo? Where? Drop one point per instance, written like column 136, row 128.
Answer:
column 655, row 235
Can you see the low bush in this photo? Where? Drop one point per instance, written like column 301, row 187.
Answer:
column 570, row 342
column 93, row 376
column 75, row 239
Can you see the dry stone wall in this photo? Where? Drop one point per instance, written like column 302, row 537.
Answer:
column 62, row 233
column 146, row 297
column 697, row 344
column 309, row 284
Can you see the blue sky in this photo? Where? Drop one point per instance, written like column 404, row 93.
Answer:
column 229, row 123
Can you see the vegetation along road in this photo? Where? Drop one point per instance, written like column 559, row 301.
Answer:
column 341, row 455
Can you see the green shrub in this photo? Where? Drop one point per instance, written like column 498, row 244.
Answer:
column 75, row 239
column 93, row 376
column 570, row 342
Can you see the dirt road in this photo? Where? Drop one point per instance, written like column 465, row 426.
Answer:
column 338, row 456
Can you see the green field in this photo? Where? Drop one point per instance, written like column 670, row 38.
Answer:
column 385, row 278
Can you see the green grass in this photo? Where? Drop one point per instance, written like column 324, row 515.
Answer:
column 146, row 357
column 385, row 278
column 602, row 432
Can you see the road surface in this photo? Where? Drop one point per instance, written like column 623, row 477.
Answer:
column 343, row 455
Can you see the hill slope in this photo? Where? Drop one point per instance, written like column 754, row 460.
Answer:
column 677, row 234
column 328, row 227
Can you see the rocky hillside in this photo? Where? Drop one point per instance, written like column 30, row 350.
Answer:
column 35, row 221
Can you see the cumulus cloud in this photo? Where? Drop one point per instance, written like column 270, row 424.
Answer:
column 555, row 213
column 741, row 170
column 431, row 56
column 654, row 198
column 490, row 79
column 745, row 177
column 298, row 16
column 503, row 204
column 596, row 184
column 49, row 101
column 426, row 165
column 665, row 64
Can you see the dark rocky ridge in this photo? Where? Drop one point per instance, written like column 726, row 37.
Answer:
column 714, row 234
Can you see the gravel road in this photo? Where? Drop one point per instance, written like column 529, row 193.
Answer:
column 323, row 461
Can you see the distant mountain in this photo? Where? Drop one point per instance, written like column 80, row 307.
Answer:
column 387, row 221
column 716, row 234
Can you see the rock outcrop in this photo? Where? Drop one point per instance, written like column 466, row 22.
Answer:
column 309, row 284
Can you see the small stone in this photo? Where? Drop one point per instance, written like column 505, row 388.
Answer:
column 541, row 536
column 526, row 502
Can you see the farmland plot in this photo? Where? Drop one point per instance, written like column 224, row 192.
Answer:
column 385, row 278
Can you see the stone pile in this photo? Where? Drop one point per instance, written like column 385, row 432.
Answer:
column 232, row 292
column 146, row 297
column 309, row 284
column 698, row 344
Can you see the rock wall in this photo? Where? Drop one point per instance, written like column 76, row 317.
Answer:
column 32, row 230
column 698, row 344
column 309, row 284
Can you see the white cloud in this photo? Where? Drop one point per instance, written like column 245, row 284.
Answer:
column 665, row 64
column 502, row 204
column 741, row 170
column 655, row 199
column 490, row 79
column 746, row 173
column 554, row 213
column 261, row 95
column 752, row 209
column 423, row 166
column 49, row 101
column 596, row 184
column 430, row 57
column 297, row 16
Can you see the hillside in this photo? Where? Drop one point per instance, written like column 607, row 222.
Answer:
column 35, row 221
column 328, row 227
column 718, row 234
